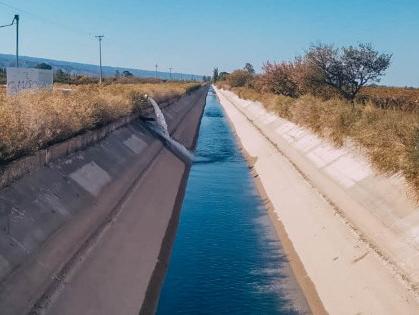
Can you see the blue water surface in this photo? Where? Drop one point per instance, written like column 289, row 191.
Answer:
column 226, row 257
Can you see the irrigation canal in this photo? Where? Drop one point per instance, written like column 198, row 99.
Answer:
column 226, row 257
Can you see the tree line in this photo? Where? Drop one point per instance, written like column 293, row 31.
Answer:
column 323, row 70
column 63, row 76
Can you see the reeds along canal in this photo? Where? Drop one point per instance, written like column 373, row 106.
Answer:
column 226, row 258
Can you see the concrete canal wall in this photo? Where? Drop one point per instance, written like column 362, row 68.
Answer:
column 86, row 226
column 355, row 232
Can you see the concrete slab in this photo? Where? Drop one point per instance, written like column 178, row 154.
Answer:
column 91, row 177
column 50, row 216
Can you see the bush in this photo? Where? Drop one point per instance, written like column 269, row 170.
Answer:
column 222, row 76
column 286, row 78
column 239, row 78
column 43, row 65
column 280, row 79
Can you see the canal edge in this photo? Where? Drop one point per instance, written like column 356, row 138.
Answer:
column 155, row 285
column 303, row 280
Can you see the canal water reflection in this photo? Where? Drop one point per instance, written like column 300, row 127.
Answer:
column 226, row 257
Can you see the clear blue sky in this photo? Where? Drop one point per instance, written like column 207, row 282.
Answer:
column 195, row 36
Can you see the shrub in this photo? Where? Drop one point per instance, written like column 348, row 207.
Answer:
column 43, row 65
column 285, row 78
column 223, row 75
column 239, row 78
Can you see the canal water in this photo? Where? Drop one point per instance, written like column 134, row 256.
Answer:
column 226, row 257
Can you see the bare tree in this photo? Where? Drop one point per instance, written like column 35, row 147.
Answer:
column 347, row 69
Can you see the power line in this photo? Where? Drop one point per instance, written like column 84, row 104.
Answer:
column 63, row 26
column 15, row 21
column 45, row 20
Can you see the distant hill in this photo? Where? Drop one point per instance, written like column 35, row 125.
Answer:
column 7, row 60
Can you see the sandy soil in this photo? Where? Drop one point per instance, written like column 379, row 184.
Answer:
column 338, row 271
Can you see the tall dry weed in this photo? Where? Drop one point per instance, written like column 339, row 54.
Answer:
column 389, row 137
column 33, row 120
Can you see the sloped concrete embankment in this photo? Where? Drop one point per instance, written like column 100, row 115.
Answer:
column 53, row 217
column 354, row 230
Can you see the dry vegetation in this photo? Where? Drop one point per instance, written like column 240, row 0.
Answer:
column 406, row 99
column 389, row 137
column 327, row 91
column 33, row 120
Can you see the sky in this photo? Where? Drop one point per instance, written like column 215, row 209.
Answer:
column 194, row 36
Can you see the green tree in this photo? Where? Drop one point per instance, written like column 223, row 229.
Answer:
column 62, row 77
column 43, row 65
column 239, row 78
column 215, row 75
column 127, row 74
column 249, row 68
column 223, row 75
column 2, row 75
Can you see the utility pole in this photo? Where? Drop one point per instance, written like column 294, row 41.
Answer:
column 17, row 39
column 156, row 69
column 99, row 37
column 170, row 69
column 15, row 19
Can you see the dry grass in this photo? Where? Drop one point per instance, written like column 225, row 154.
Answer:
column 406, row 99
column 389, row 137
column 33, row 120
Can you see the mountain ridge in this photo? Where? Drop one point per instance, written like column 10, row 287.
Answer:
column 8, row 60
